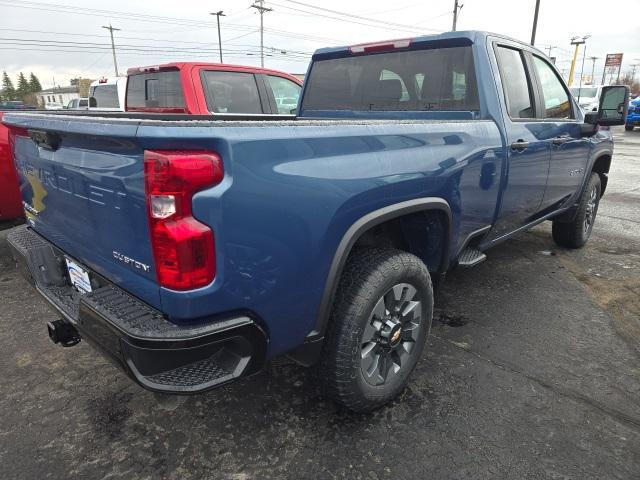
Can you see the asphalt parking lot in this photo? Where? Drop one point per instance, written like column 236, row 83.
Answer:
column 532, row 371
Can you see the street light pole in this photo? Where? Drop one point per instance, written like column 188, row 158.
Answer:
column 584, row 54
column 218, row 15
column 113, row 46
column 593, row 69
column 577, row 41
column 535, row 23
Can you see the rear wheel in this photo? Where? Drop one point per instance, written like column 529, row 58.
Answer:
column 379, row 326
column 574, row 234
column 628, row 128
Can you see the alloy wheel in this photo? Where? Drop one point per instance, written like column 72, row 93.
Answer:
column 390, row 334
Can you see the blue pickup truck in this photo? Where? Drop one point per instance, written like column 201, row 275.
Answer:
column 633, row 116
column 191, row 250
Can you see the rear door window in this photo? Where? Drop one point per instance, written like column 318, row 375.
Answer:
column 515, row 84
column 231, row 92
column 155, row 90
column 106, row 96
column 439, row 79
column 557, row 103
column 285, row 92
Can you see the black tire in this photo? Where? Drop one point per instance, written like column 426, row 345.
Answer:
column 372, row 276
column 628, row 128
column 574, row 234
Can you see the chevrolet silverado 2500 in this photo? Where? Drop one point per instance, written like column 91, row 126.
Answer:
column 193, row 249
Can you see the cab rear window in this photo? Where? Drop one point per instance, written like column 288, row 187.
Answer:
column 155, row 90
column 441, row 79
column 105, row 96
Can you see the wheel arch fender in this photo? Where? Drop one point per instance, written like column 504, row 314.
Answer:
column 308, row 353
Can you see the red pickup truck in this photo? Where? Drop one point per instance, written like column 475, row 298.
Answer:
column 184, row 88
column 211, row 89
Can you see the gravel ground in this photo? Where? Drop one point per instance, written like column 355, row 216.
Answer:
column 532, row 371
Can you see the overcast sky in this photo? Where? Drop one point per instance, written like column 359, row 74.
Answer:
column 65, row 39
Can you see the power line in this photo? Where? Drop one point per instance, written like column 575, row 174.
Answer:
column 120, row 36
column 125, row 46
column 72, row 49
column 358, row 17
column 383, row 26
column 129, row 16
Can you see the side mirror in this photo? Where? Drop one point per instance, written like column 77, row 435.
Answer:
column 92, row 102
column 614, row 103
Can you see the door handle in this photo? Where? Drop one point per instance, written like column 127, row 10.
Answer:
column 560, row 140
column 519, row 145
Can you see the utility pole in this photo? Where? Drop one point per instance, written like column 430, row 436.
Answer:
column 218, row 15
column 456, row 10
column 577, row 41
column 593, row 69
column 550, row 47
column 584, row 54
column 113, row 46
column 259, row 5
column 535, row 23
column 633, row 72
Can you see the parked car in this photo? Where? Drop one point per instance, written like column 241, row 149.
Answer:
column 15, row 105
column 107, row 94
column 211, row 88
column 10, row 200
column 192, row 250
column 588, row 96
column 78, row 104
column 633, row 116
column 53, row 106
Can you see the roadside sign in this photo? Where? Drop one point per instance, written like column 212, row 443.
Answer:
column 613, row 60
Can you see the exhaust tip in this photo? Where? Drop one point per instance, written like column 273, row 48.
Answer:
column 63, row 332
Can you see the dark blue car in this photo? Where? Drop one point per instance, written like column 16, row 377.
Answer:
column 191, row 250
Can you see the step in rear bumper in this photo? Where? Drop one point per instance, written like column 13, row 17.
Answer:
column 158, row 354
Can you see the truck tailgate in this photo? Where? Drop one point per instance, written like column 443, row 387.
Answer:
column 83, row 188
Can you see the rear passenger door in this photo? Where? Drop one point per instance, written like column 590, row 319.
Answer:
column 569, row 150
column 238, row 93
column 528, row 151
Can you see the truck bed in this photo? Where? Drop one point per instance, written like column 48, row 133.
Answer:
column 290, row 191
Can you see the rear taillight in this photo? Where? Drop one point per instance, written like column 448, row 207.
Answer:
column 183, row 248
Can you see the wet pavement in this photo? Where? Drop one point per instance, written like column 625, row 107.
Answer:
column 532, row 371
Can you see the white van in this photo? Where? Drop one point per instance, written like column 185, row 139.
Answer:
column 108, row 94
